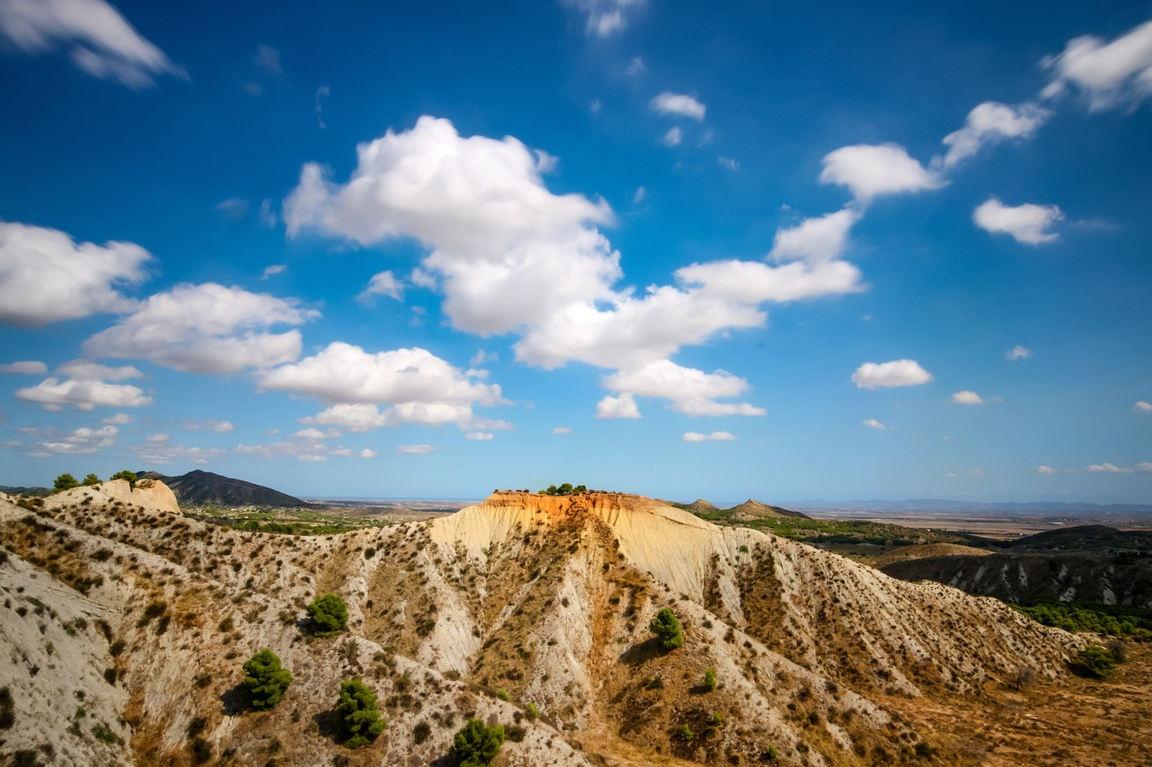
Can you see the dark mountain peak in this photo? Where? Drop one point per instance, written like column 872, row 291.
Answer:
column 199, row 488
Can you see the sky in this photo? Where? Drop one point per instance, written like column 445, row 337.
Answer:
column 750, row 249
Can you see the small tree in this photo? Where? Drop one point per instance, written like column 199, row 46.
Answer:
column 1094, row 662
column 357, row 709
column 265, row 679
column 476, row 744
column 64, row 482
column 91, row 480
column 128, row 475
column 667, row 629
column 329, row 615
column 709, row 680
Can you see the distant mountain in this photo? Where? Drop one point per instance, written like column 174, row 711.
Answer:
column 746, row 511
column 997, row 507
column 203, row 488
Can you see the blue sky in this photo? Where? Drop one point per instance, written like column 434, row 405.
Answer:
column 427, row 250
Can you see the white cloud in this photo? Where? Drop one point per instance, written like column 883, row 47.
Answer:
column 562, row 430
column 419, row 386
column 606, row 17
column 367, row 453
column 678, row 104
column 210, row 424
column 1018, row 353
column 716, row 436
column 872, row 423
column 160, row 449
column 967, row 398
column 414, row 449
column 383, row 284
column 691, row 392
column 47, row 277
column 85, row 386
column 234, row 208
column 120, row 419
column 990, row 122
column 623, row 406
column 273, row 270
column 25, row 367
column 99, row 40
column 1025, row 223
column 322, row 92
column 819, row 239
column 1042, row 469
column 728, row 163
column 480, row 436
column 1144, row 466
column 1107, row 74
column 300, row 449
column 873, row 170
column 871, row 375
column 268, row 59
column 1108, row 468
column 673, row 137
column 205, row 329
column 1143, row 407
column 311, row 433
column 82, row 441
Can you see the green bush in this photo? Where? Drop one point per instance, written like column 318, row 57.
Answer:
column 531, row 711
column 329, row 615
column 1094, row 662
column 667, row 629
column 476, row 744
column 685, row 733
column 359, row 716
column 265, row 679
column 128, row 475
column 64, row 482
column 91, row 480
column 709, row 680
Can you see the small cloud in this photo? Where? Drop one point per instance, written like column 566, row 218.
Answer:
column 1042, row 469
column 872, row 423
column 716, row 436
column 562, row 430
column 479, row 436
column 967, row 398
column 975, row 472
column 727, row 163
column 383, row 284
column 312, row 458
column 1144, row 466
column 119, row 419
column 636, row 67
column 1143, row 407
column 414, row 449
column 268, row 59
column 1018, row 353
column 1026, row 223
column 673, row 137
column 210, row 424
column 639, row 196
column 950, row 474
column 26, row 367
column 367, row 453
column 623, row 406
column 678, row 104
column 423, row 279
column 273, row 270
column 314, row 433
column 1108, row 468
column 234, row 208
column 905, row 372
column 322, row 92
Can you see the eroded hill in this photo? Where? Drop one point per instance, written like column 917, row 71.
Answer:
column 142, row 618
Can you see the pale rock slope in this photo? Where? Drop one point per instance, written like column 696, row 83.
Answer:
column 540, row 600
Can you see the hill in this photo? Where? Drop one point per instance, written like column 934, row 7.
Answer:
column 127, row 623
column 203, row 488
column 749, row 510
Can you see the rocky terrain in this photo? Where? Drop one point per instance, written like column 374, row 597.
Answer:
column 126, row 624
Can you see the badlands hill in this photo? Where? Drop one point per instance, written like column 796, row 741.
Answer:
column 126, row 623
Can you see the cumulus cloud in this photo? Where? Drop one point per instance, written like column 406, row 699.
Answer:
column 419, row 386
column 1025, row 223
column 991, row 122
column 160, row 449
column 1144, row 466
column 210, row 424
column 301, row 449
column 414, row 449
column 623, row 406
column 480, row 436
column 383, row 284
column 1107, row 74
column 367, row 453
column 1143, row 407
column 1018, row 352
column 82, row 441
column 673, row 137
column 206, row 328
column 98, row 39
column 1108, row 468
column 25, row 367
column 606, row 17
column 716, row 436
column 120, row 419
column 679, row 105
column 691, row 392
column 874, row 170
column 819, row 239
column 967, row 398
column 84, row 385
column 272, row 271
column 886, row 375
column 47, row 277
column 1042, row 469
column 872, row 423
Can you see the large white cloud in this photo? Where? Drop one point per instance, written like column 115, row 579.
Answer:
column 679, row 104
column 99, row 40
column 205, row 328
column 1108, row 74
column 84, row 385
column 819, row 239
column 871, row 170
column 419, row 386
column 1027, row 223
column 692, row 392
column 991, row 122
column 872, row 375
column 47, row 277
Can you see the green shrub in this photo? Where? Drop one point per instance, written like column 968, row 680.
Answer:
column 128, row 475
column 329, row 615
column 64, row 482
column 667, row 629
column 1093, row 662
column 771, row 754
column 502, row 694
column 104, row 734
column 709, row 683
column 265, row 679
column 91, row 480
column 361, row 722
column 476, row 744
column 685, row 733
column 531, row 711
